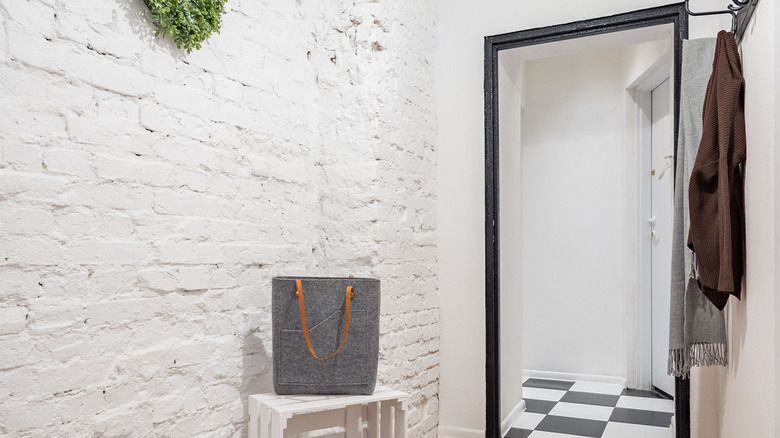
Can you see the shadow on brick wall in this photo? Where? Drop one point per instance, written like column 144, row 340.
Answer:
column 137, row 14
column 257, row 368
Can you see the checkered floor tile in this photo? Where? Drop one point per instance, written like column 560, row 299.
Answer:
column 568, row 409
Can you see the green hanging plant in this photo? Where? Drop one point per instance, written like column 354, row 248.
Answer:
column 188, row 22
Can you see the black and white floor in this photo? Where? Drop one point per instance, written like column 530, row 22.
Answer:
column 571, row 409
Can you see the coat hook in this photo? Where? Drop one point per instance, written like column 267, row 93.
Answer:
column 733, row 9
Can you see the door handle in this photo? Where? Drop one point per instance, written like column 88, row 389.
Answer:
column 651, row 221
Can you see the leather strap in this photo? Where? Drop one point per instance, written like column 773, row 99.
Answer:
column 302, row 307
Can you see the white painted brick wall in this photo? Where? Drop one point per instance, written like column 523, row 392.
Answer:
column 147, row 197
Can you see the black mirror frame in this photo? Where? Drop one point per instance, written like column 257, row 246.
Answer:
column 669, row 14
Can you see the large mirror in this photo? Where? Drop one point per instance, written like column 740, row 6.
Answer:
column 580, row 123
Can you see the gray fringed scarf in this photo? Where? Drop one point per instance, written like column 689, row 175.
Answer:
column 697, row 331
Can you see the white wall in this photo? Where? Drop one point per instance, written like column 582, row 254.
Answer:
column 510, row 183
column 572, row 215
column 148, row 196
column 603, row 352
column 580, row 173
column 461, row 27
column 740, row 400
column 777, row 224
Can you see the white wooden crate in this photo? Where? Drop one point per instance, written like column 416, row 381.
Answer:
column 280, row 416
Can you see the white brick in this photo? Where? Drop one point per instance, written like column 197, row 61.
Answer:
column 228, row 89
column 32, row 48
column 167, row 356
column 260, row 167
column 29, row 221
column 220, row 232
column 83, row 405
column 259, row 254
column 168, row 408
column 292, row 173
column 111, row 122
column 19, row 418
column 16, row 283
column 107, row 252
column 111, row 196
column 115, row 169
column 64, row 352
column 31, row 251
column 173, row 203
column 161, row 64
column 137, row 421
column 32, row 14
column 193, row 278
column 84, row 222
column 12, row 320
column 132, row 169
column 103, row 38
column 119, row 312
column 234, row 114
column 16, row 382
column 155, row 118
column 102, row 72
column 31, row 124
column 187, row 153
column 194, row 127
column 222, row 278
column 79, row 374
column 158, row 279
column 4, row 58
column 190, row 253
column 67, row 161
column 30, row 184
column 224, row 187
column 212, row 60
column 154, row 174
column 97, row 14
column 26, row 154
column 193, row 180
column 194, row 204
column 47, row 319
column 221, row 394
column 81, row 129
column 183, row 99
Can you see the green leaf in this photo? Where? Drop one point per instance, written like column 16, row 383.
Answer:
column 188, row 22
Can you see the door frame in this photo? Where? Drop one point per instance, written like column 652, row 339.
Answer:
column 670, row 14
column 641, row 92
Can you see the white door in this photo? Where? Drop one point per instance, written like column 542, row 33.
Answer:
column 662, row 188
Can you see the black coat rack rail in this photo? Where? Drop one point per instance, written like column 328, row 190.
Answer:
column 740, row 10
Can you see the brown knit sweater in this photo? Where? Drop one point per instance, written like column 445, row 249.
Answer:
column 716, row 194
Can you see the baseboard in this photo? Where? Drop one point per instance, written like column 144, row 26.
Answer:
column 460, row 432
column 513, row 416
column 574, row 376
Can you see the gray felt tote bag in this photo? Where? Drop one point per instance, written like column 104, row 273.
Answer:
column 325, row 334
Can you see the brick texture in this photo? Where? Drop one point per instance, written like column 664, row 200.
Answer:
column 148, row 196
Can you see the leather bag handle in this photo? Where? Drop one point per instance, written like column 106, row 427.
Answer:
column 302, row 306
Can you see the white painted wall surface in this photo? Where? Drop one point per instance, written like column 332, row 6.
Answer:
column 777, row 224
column 461, row 28
column 572, row 215
column 739, row 401
column 510, row 101
column 148, row 196
column 627, row 62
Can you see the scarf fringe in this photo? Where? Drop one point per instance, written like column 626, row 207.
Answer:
column 676, row 365
column 699, row 355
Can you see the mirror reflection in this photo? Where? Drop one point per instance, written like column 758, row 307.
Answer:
column 586, row 196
